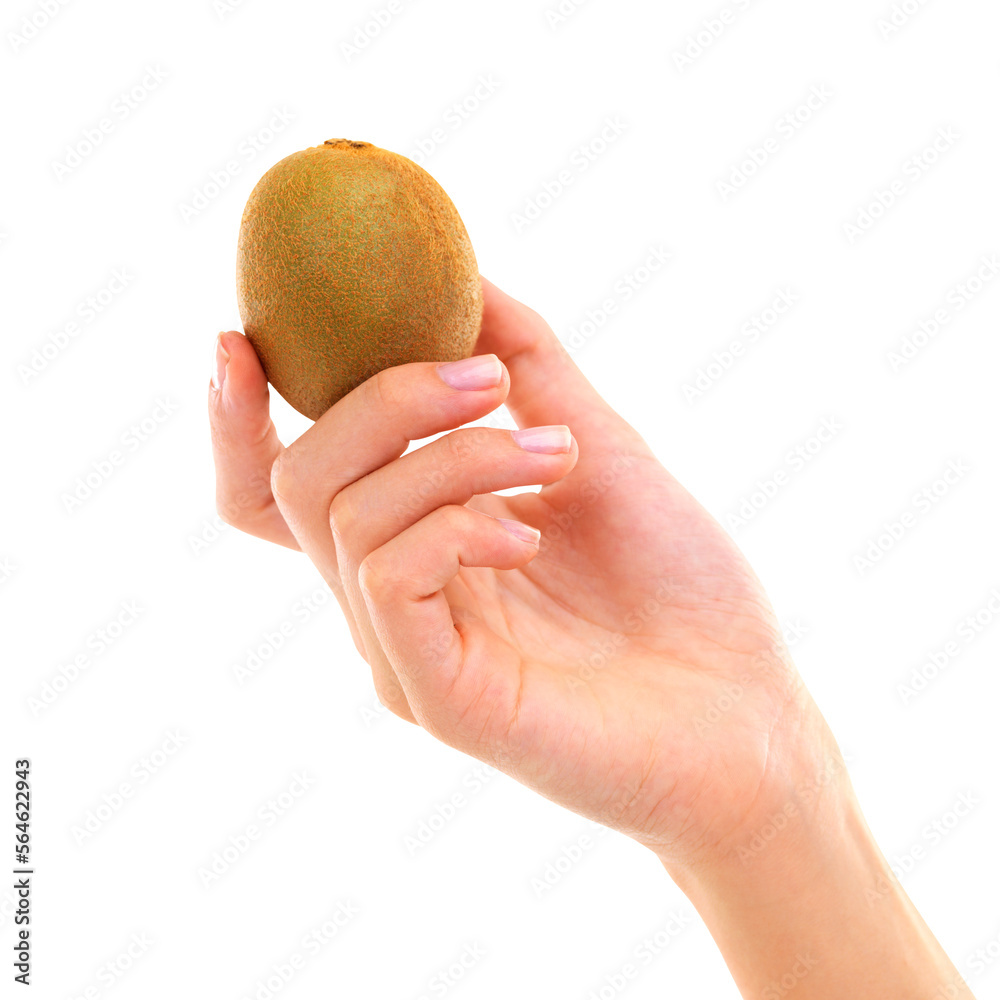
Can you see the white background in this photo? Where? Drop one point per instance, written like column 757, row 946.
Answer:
column 311, row 708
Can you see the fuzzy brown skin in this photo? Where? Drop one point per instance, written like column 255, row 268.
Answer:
column 352, row 259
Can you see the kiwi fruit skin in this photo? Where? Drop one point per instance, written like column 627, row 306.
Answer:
column 352, row 259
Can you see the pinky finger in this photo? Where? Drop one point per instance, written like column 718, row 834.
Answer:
column 457, row 674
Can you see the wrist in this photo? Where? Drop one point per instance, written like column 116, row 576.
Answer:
column 806, row 901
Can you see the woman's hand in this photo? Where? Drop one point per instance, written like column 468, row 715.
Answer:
column 628, row 666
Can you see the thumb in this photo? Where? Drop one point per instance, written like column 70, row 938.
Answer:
column 244, row 441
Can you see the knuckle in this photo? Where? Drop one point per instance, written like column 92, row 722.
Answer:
column 244, row 508
column 464, row 445
column 284, row 478
column 375, row 579
column 390, row 696
column 342, row 515
column 239, row 510
column 385, row 390
column 454, row 517
column 229, row 512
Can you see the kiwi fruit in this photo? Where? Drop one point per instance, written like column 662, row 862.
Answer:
column 352, row 259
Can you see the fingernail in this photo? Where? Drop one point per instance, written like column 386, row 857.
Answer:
column 520, row 530
column 481, row 372
column 221, row 359
column 547, row 440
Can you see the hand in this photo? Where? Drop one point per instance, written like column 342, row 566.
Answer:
column 627, row 666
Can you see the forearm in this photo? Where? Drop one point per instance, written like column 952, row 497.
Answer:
column 816, row 914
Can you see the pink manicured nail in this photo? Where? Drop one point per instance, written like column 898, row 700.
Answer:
column 481, row 372
column 547, row 440
column 523, row 531
column 221, row 360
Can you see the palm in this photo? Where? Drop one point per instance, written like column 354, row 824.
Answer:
column 628, row 627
